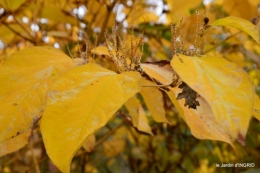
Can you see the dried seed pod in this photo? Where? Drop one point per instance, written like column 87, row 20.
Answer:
column 206, row 20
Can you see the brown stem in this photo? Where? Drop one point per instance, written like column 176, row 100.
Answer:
column 22, row 26
column 167, row 85
column 17, row 33
column 251, row 55
column 109, row 11
column 223, row 41
column 34, row 159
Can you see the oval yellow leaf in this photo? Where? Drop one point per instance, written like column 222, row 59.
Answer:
column 14, row 144
column 201, row 121
column 224, row 85
column 153, row 99
column 78, row 104
column 239, row 23
column 24, row 80
column 101, row 50
column 137, row 114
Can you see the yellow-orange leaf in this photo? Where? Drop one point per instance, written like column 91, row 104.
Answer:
column 11, row 5
column 101, row 50
column 180, row 9
column 114, row 147
column 24, row 80
column 79, row 103
column 201, row 121
column 163, row 74
column 13, row 144
column 153, row 99
column 224, row 85
column 239, row 23
column 139, row 119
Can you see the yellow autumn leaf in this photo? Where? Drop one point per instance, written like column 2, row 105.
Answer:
column 91, row 169
column 101, row 50
column 164, row 74
column 237, row 58
column 139, row 119
column 224, row 85
column 78, row 104
column 14, row 144
column 239, row 23
column 180, row 9
column 201, row 120
column 114, row 147
column 237, row 8
column 89, row 143
column 153, row 99
column 99, row 10
column 24, row 81
column 52, row 12
column 11, row 5
column 256, row 112
column 137, row 14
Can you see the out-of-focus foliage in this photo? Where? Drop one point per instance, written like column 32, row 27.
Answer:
column 125, row 144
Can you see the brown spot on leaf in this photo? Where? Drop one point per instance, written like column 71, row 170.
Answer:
column 189, row 95
column 257, row 110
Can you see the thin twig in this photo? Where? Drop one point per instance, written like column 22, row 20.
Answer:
column 23, row 27
column 109, row 11
column 17, row 33
column 34, row 159
column 251, row 55
column 220, row 43
column 166, row 85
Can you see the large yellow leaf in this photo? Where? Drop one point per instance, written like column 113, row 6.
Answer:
column 201, row 120
column 139, row 119
column 239, row 23
column 24, row 80
column 78, row 104
column 153, row 99
column 14, row 144
column 224, row 85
